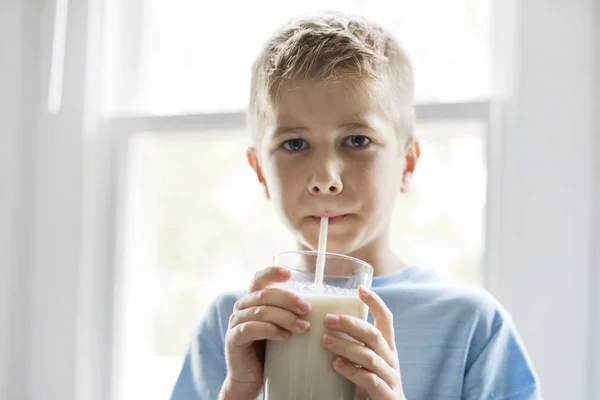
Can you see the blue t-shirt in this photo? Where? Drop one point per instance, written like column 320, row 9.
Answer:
column 454, row 342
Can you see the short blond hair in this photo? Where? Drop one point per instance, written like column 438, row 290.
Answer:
column 332, row 46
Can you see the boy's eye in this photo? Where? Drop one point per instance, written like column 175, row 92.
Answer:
column 295, row 145
column 357, row 141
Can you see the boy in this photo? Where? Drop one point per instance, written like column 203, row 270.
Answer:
column 331, row 113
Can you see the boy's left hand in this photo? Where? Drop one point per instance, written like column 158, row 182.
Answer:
column 378, row 377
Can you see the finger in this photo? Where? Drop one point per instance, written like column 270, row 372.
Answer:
column 268, row 276
column 375, row 387
column 383, row 317
column 363, row 356
column 274, row 315
column 276, row 297
column 249, row 332
column 363, row 332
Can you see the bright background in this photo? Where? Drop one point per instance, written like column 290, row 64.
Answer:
column 126, row 204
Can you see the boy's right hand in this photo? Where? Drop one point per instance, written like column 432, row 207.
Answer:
column 263, row 313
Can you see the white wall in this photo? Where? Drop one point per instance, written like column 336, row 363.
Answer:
column 19, row 101
column 9, row 111
column 40, row 207
column 594, row 373
column 548, row 205
column 59, row 225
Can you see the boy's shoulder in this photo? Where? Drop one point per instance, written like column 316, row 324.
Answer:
column 225, row 301
column 425, row 299
column 421, row 285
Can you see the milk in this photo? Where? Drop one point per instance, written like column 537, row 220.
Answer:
column 299, row 368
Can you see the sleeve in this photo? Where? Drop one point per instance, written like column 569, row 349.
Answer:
column 501, row 370
column 204, row 368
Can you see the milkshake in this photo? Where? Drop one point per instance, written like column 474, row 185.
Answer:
column 299, row 368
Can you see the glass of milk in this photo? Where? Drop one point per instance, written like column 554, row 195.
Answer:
column 299, row 368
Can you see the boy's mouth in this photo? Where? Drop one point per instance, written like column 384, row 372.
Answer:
column 332, row 219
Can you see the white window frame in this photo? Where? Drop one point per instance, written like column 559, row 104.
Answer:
column 122, row 130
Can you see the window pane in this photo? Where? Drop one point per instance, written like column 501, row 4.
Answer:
column 200, row 225
column 196, row 56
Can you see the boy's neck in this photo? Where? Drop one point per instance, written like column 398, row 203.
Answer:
column 381, row 257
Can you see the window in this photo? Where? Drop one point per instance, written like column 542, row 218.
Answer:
column 182, row 77
column 186, row 57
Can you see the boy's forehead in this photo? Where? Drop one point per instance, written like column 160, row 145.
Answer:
column 326, row 108
column 298, row 101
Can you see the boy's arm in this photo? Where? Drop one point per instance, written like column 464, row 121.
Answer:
column 502, row 369
column 201, row 376
column 204, row 370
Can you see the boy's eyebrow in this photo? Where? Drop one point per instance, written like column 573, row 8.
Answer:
column 290, row 129
column 348, row 127
column 356, row 126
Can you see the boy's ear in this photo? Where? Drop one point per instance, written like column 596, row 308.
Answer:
column 252, row 158
column 413, row 151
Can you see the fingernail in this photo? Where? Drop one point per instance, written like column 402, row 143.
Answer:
column 331, row 319
column 302, row 325
column 365, row 290
column 327, row 340
column 303, row 306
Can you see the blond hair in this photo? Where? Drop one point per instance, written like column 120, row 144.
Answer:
column 333, row 47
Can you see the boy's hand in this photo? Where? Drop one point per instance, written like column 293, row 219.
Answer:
column 378, row 377
column 263, row 313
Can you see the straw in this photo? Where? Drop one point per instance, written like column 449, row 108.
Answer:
column 321, row 251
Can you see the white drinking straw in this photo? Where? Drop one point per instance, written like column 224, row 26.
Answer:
column 321, row 251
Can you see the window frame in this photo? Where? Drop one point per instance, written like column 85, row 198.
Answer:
column 122, row 129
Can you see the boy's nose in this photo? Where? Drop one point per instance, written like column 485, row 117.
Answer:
column 325, row 189
column 327, row 184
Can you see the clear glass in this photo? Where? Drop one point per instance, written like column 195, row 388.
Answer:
column 201, row 225
column 299, row 368
column 340, row 271
column 202, row 62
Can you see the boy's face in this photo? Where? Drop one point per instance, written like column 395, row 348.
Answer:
column 328, row 154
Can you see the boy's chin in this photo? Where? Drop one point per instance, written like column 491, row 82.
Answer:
column 333, row 246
